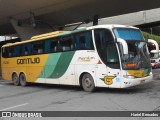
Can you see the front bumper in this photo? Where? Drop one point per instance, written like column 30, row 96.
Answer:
column 136, row 81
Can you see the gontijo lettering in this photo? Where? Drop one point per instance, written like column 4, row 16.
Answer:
column 29, row 61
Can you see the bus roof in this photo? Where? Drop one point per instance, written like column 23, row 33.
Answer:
column 39, row 37
column 45, row 36
column 61, row 33
column 42, row 36
column 111, row 26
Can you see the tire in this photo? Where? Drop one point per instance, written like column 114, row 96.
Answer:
column 15, row 79
column 22, row 79
column 88, row 83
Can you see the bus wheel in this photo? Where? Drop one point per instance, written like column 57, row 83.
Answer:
column 88, row 83
column 15, row 79
column 22, row 79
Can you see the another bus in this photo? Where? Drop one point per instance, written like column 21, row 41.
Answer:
column 154, row 53
column 113, row 56
column 155, row 58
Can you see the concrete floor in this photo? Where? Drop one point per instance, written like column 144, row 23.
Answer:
column 41, row 97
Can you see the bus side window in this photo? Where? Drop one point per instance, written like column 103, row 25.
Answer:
column 106, row 48
column 10, row 51
column 34, row 49
column 112, row 53
column 54, row 46
column 4, row 52
column 66, row 43
column 41, row 47
column 77, row 43
column 89, row 41
column 100, row 43
column 47, row 46
column 26, row 49
column 84, row 41
column 38, row 47
column 16, row 50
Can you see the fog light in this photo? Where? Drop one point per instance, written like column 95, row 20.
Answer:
column 129, row 77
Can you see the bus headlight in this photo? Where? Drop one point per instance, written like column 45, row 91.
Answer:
column 150, row 73
column 129, row 76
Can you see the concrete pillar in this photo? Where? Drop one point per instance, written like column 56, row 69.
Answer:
column 26, row 31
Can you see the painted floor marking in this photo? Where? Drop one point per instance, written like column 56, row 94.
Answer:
column 13, row 107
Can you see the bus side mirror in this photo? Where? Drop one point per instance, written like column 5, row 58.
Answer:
column 124, row 44
column 154, row 43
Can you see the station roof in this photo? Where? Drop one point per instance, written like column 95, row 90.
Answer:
column 61, row 12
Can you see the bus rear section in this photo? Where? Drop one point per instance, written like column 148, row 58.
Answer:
column 155, row 58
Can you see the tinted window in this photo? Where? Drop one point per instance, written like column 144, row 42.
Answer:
column 78, row 41
column 4, row 52
column 84, row 41
column 54, row 46
column 13, row 51
column 106, row 48
column 38, row 47
column 7, row 52
column 47, row 46
column 26, row 49
column 66, row 43
column 16, row 51
column 128, row 34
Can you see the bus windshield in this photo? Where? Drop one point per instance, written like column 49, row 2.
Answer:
column 128, row 34
column 138, row 54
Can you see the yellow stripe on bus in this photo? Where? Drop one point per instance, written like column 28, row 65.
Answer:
column 31, row 66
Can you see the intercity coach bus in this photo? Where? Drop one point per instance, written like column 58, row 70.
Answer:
column 154, row 53
column 113, row 56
